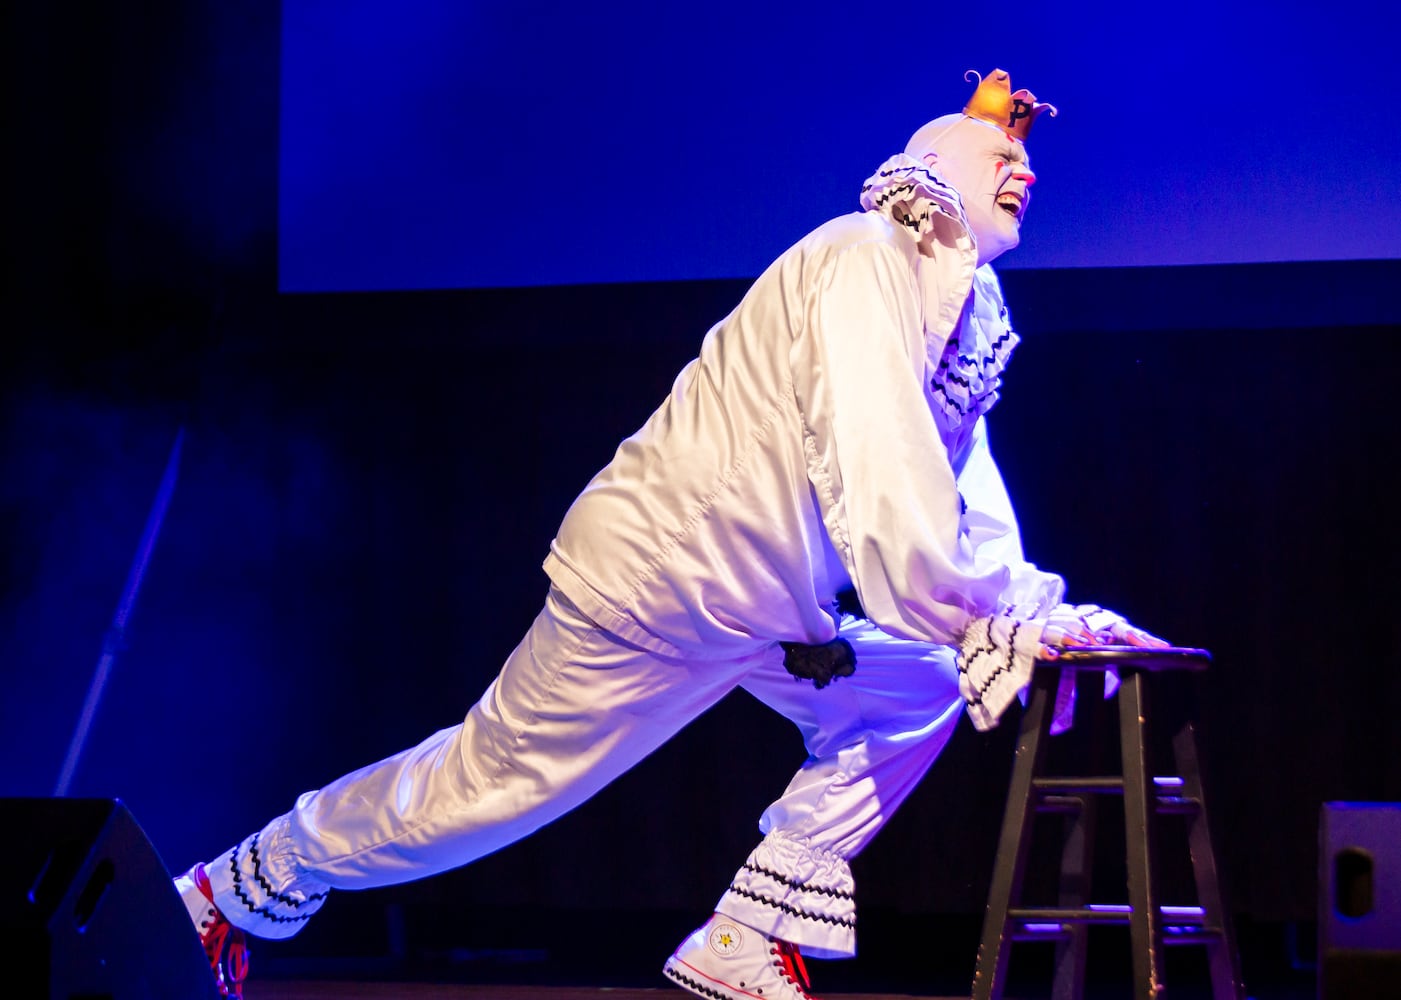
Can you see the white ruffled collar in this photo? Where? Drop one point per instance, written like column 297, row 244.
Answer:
column 912, row 195
column 967, row 372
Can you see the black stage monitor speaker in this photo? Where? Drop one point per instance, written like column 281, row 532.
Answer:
column 1359, row 901
column 88, row 910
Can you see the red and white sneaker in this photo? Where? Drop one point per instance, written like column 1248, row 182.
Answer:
column 225, row 945
column 725, row 960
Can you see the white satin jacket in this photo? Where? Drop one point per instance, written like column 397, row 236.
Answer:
column 827, row 435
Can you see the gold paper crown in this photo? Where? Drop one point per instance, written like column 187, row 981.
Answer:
column 993, row 102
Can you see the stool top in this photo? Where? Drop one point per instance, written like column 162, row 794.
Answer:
column 1153, row 658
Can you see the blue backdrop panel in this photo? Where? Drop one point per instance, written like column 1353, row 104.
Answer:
column 439, row 144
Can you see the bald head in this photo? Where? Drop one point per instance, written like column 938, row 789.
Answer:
column 990, row 171
column 924, row 140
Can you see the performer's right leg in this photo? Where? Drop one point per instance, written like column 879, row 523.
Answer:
column 871, row 737
column 573, row 708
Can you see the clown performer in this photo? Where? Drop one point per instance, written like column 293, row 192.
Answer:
column 813, row 514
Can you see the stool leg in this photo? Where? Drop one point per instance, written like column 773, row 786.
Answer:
column 1145, row 930
column 1077, row 854
column 995, row 950
column 1222, row 957
column 1077, row 859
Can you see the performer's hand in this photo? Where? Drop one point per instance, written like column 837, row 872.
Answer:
column 1123, row 633
column 1091, row 625
column 1065, row 626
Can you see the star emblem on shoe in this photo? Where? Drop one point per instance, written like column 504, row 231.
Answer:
column 725, row 939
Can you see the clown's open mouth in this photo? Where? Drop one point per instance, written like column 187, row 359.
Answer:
column 1011, row 204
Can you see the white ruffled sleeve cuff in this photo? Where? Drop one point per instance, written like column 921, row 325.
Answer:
column 995, row 660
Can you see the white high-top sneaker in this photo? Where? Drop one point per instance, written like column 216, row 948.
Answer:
column 725, row 960
column 225, row 945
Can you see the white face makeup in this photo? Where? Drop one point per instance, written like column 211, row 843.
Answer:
column 992, row 175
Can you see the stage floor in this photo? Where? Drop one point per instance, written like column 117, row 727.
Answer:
column 538, row 955
column 290, row 990
column 341, row 990
column 338, row 987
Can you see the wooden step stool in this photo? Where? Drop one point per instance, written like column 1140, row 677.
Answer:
column 1151, row 924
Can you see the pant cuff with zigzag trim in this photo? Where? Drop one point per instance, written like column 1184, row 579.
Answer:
column 258, row 889
column 796, row 893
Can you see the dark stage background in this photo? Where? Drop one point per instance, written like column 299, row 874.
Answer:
column 369, row 482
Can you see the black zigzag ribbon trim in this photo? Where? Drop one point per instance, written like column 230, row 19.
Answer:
column 793, row 911
column 889, row 195
column 695, row 986
column 963, row 663
column 802, row 886
column 258, row 911
column 914, row 222
column 939, row 388
column 986, row 685
column 941, row 375
column 247, row 901
column 914, row 168
column 975, row 400
column 1001, row 669
column 1006, row 666
column 945, row 374
column 267, row 886
column 950, row 375
column 991, row 361
column 994, row 348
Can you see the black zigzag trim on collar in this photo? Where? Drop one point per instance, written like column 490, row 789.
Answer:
column 907, row 220
column 802, row 886
column 992, row 357
column 914, row 222
column 793, row 911
column 939, row 388
column 997, row 344
column 951, row 375
column 933, row 180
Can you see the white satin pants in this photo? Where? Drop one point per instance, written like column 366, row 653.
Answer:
column 573, row 708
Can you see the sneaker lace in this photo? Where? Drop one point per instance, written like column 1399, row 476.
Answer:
column 217, row 935
column 789, row 962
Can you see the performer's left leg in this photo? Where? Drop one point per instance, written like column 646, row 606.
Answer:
column 573, row 708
